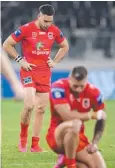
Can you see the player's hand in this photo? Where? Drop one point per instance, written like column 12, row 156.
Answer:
column 92, row 148
column 51, row 63
column 99, row 115
column 27, row 66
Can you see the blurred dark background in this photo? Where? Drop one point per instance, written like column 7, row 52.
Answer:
column 88, row 25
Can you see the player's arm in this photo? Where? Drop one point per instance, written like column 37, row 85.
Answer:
column 98, row 107
column 66, row 114
column 62, row 107
column 98, row 131
column 64, row 47
column 9, row 47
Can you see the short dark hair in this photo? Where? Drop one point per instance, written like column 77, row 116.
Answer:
column 47, row 10
column 79, row 73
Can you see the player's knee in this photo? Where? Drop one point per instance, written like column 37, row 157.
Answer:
column 29, row 107
column 70, row 131
column 76, row 125
column 100, row 163
column 71, row 134
column 40, row 110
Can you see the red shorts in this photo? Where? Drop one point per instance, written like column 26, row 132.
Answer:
column 83, row 142
column 39, row 80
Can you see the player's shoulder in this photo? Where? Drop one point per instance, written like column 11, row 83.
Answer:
column 95, row 94
column 54, row 28
column 27, row 25
column 59, row 88
column 61, row 83
column 93, row 90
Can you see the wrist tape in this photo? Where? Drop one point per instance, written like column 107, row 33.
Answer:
column 18, row 58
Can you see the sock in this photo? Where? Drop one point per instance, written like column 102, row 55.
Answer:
column 70, row 163
column 35, row 141
column 24, row 130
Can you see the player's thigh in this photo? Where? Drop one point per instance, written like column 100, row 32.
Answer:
column 84, row 157
column 42, row 100
column 62, row 129
column 29, row 96
column 98, row 159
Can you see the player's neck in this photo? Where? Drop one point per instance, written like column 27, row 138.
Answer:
column 37, row 24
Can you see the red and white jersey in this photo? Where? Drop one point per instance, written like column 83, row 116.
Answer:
column 90, row 98
column 37, row 43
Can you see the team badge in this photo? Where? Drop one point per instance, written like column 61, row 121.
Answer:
column 50, row 35
column 86, row 103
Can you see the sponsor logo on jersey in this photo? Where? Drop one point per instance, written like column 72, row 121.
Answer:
column 58, row 93
column 61, row 35
column 86, row 103
column 34, row 35
column 42, row 33
column 27, row 80
column 50, row 35
column 39, row 45
column 100, row 99
column 46, row 49
column 57, row 89
column 41, row 52
column 18, row 33
column 38, row 51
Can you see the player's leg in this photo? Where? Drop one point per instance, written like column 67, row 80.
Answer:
column 95, row 159
column 84, row 157
column 29, row 102
column 81, row 165
column 98, row 159
column 11, row 76
column 40, row 107
column 67, row 139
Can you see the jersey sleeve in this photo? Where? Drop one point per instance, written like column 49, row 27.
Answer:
column 58, row 95
column 98, row 101
column 19, row 34
column 59, row 36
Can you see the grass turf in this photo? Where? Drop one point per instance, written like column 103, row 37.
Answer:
column 11, row 158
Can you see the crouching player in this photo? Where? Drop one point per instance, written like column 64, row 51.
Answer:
column 71, row 99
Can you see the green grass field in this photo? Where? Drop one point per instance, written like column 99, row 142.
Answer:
column 11, row 158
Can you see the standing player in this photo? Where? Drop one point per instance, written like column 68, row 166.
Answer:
column 71, row 99
column 37, row 39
